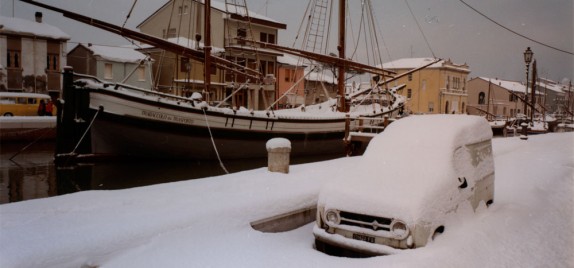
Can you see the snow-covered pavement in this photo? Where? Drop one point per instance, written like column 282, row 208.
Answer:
column 206, row 222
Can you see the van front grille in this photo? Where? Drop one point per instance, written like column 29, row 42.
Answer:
column 365, row 221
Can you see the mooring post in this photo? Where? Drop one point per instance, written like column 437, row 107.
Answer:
column 65, row 114
column 524, row 135
column 279, row 150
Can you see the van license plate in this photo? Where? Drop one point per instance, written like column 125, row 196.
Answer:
column 366, row 238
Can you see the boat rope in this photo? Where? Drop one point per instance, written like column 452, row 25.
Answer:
column 87, row 129
column 46, row 130
column 242, row 86
column 130, row 13
column 420, row 29
column 291, row 88
column 213, row 142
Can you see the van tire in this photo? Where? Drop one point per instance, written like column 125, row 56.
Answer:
column 8, row 114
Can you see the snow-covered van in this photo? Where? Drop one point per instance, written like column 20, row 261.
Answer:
column 413, row 176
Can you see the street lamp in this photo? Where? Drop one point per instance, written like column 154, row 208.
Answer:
column 527, row 59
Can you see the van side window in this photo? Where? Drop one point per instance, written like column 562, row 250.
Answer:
column 32, row 101
column 7, row 101
column 22, row 100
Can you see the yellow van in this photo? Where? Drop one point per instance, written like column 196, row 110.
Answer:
column 25, row 104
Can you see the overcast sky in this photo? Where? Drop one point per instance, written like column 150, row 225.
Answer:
column 453, row 30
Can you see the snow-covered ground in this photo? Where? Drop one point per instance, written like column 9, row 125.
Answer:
column 206, row 222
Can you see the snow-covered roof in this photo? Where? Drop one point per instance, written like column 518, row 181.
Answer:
column 116, row 54
column 551, row 85
column 513, row 86
column 320, row 76
column 291, row 60
column 221, row 6
column 26, row 27
column 412, row 63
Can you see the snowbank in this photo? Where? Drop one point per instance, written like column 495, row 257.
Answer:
column 205, row 223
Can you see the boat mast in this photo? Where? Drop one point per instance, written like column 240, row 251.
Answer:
column 341, row 77
column 207, row 47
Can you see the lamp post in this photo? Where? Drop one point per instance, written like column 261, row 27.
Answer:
column 527, row 59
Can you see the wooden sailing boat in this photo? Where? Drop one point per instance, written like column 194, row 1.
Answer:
column 100, row 119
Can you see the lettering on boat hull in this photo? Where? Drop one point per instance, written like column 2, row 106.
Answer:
column 167, row 117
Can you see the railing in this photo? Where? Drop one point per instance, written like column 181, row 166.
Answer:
column 145, row 92
column 364, row 126
column 453, row 91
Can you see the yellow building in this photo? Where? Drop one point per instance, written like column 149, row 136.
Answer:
column 437, row 89
column 182, row 22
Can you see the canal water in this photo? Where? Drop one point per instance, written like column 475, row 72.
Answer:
column 31, row 173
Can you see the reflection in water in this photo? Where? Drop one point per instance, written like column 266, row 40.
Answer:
column 32, row 174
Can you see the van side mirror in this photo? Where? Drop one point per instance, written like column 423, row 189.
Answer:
column 463, row 184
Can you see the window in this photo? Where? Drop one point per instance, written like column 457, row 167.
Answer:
column 410, row 77
column 270, row 67
column 182, row 10
column 481, row 97
column 212, row 69
column 108, row 71
column 431, row 107
column 457, row 83
column 13, row 59
column 409, row 93
column 512, row 98
column 267, row 38
column 184, row 64
column 169, row 34
column 263, row 67
column 141, row 73
column 52, row 62
column 287, row 75
column 241, row 33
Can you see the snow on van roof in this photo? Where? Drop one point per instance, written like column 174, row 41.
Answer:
column 24, row 94
column 22, row 26
column 413, row 157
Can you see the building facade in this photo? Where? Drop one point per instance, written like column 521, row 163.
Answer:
column 182, row 22
column 437, row 89
column 32, row 54
column 555, row 95
column 112, row 64
column 290, row 71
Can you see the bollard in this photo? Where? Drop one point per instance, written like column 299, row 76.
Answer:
column 278, row 153
column 524, row 135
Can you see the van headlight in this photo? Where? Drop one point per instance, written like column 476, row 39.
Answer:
column 399, row 228
column 332, row 216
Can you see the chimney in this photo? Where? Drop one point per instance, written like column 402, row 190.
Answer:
column 38, row 17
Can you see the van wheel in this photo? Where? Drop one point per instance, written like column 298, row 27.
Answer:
column 438, row 231
column 8, row 114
